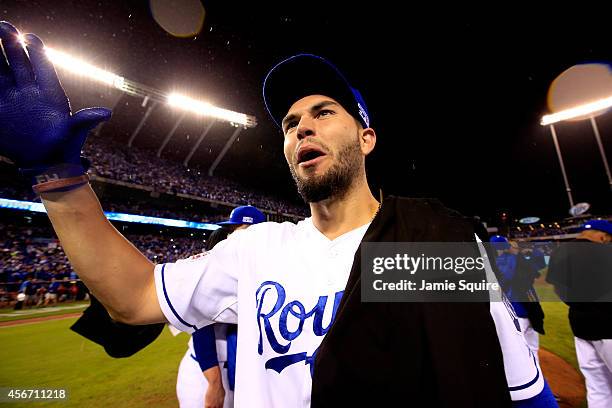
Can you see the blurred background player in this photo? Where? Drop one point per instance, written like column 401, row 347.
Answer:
column 51, row 295
column 206, row 374
column 517, row 277
column 582, row 274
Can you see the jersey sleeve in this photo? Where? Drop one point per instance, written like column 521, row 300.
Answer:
column 544, row 399
column 196, row 292
column 523, row 374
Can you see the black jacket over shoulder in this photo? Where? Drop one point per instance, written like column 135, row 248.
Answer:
column 118, row 339
column 410, row 354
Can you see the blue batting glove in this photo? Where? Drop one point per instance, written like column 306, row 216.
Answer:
column 37, row 129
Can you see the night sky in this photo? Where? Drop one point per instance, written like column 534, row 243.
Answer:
column 454, row 95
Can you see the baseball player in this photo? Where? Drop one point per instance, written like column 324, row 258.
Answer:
column 281, row 283
column 580, row 272
column 517, row 276
column 206, row 374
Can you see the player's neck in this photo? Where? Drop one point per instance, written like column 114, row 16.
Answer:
column 334, row 217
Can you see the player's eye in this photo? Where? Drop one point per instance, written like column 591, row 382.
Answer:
column 290, row 125
column 325, row 112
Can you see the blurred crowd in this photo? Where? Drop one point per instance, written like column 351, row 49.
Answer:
column 129, row 205
column 538, row 232
column 138, row 166
column 23, row 193
column 140, row 207
column 141, row 167
column 33, row 263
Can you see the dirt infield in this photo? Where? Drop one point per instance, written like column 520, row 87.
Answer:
column 564, row 380
column 39, row 319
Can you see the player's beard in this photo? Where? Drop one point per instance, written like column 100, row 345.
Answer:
column 337, row 181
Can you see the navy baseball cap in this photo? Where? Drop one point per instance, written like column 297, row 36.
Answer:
column 307, row 74
column 246, row 214
column 599, row 225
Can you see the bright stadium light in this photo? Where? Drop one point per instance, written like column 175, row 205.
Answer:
column 21, row 39
column 79, row 67
column 584, row 111
column 206, row 109
column 581, row 110
column 76, row 66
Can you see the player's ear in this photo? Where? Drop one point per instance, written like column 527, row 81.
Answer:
column 367, row 140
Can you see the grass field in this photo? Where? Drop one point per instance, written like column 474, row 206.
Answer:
column 48, row 354
column 8, row 314
column 559, row 338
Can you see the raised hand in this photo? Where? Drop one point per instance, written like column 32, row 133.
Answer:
column 37, row 129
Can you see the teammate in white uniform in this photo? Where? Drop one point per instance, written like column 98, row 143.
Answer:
column 203, row 378
column 286, row 280
column 526, row 382
column 193, row 384
column 517, row 275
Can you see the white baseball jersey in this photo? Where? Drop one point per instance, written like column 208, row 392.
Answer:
column 287, row 280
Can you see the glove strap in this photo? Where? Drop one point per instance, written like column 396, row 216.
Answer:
column 60, row 177
column 63, row 184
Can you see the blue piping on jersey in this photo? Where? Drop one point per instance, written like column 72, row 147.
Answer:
column 170, row 303
column 530, row 383
column 194, row 357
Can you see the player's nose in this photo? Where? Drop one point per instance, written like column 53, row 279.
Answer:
column 305, row 127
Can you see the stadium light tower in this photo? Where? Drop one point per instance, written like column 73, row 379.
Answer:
column 82, row 68
column 175, row 100
column 206, row 109
column 568, row 190
column 586, row 110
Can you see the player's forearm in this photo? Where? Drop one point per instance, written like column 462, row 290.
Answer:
column 215, row 393
column 213, row 376
column 112, row 268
